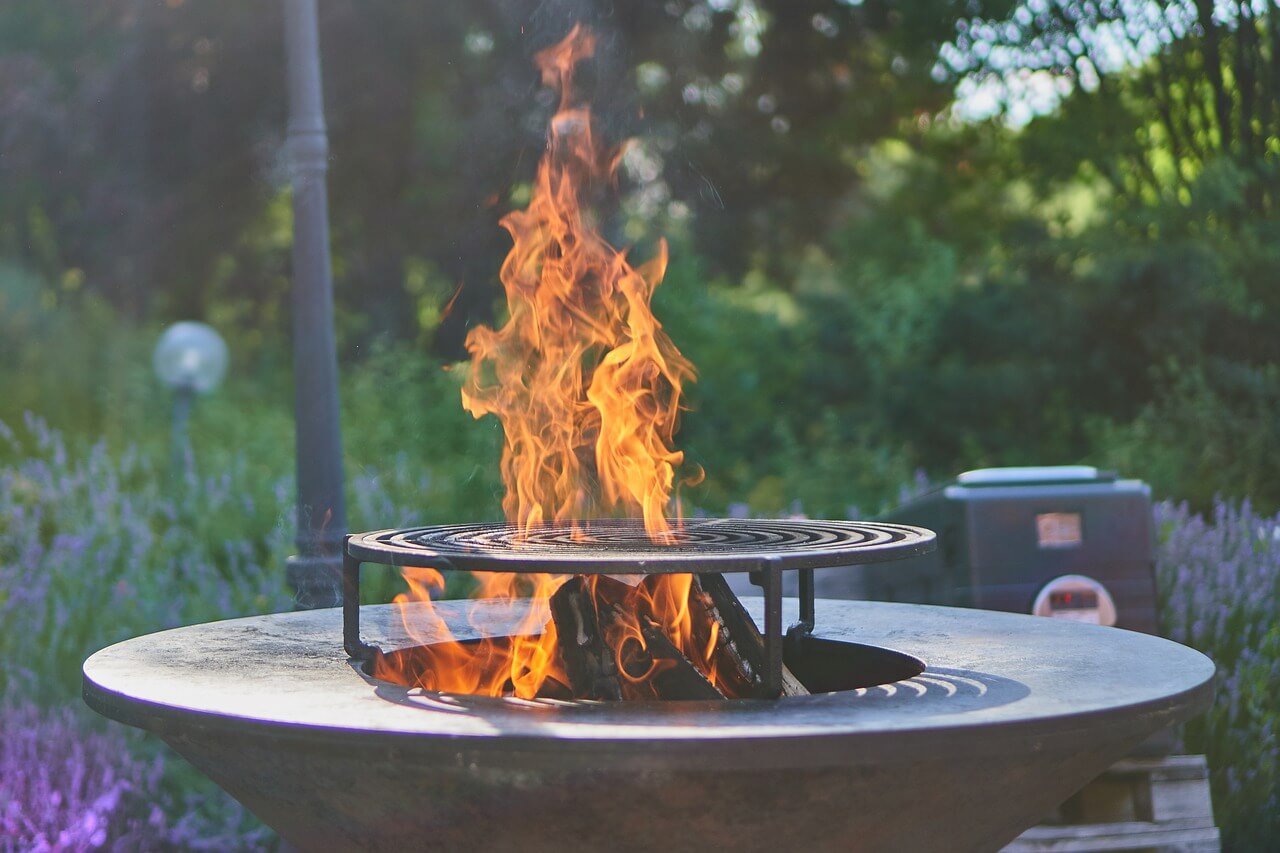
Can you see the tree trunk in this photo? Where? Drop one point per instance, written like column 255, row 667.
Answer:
column 1213, row 70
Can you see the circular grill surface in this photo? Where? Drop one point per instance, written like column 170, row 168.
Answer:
column 621, row 546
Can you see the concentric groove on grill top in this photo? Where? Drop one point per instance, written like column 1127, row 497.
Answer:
column 622, row 546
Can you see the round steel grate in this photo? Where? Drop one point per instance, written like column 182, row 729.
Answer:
column 621, row 546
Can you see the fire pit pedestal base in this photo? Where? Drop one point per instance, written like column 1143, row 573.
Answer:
column 1010, row 716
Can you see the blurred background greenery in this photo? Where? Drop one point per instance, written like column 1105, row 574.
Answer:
column 932, row 236
column 907, row 239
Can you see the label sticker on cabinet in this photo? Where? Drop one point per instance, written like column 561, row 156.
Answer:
column 1058, row 530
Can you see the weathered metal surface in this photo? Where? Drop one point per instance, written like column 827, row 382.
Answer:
column 1011, row 715
column 622, row 546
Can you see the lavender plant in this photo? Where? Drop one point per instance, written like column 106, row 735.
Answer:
column 95, row 549
column 66, row 787
column 62, row 788
column 1219, row 581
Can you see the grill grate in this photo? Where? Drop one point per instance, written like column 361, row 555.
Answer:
column 621, row 546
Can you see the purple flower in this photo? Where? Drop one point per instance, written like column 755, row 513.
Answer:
column 64, row 788
column 1219, row 584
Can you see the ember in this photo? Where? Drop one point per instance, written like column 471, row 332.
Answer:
column 587, row 386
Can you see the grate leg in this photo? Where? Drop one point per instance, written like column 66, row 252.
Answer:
column 771, row 576
column 355, row 647
column 807, row 608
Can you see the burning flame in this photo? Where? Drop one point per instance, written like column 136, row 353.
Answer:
column 587, row 386
column 584, row 380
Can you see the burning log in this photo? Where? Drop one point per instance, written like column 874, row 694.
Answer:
column 738, row 640
column 588, row 658
column 680, row 679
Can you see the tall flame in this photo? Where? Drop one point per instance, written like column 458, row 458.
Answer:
column 586, row 383
column 587, row 386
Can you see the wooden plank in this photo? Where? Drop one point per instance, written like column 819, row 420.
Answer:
column 1159, row 804
column 1178, row 785
column 1102, row 837
column 1181, row 799
column 1169, row 766
column 1170, row 788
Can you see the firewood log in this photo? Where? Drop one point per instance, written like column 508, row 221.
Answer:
column 588, row 659
column 739, row 641
column 677, row 678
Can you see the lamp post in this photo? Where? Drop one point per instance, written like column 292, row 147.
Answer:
column 315, row 572
column 190, row 358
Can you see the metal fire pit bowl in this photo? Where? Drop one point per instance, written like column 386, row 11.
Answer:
column 992, row 720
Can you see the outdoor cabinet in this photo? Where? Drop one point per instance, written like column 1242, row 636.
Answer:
column 1067, row 541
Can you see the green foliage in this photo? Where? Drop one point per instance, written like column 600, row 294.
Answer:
column 1184, row 319
column 88, row 533
column 1219, row 582
column 403, row 417
column 61, row 353
column 775, row 418
column 1211, row 430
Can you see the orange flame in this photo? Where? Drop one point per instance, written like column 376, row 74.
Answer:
column 584, row 380
column 587, row 386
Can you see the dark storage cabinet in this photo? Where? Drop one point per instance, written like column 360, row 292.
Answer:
column 1005, row 534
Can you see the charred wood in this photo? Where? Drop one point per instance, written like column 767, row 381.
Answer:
column 677, row 678
column 739, row 641
column 589, row 661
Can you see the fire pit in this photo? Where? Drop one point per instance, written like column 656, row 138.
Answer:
column 609, row 692
column 927, row 728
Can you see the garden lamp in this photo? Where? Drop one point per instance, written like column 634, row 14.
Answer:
column 190, row 358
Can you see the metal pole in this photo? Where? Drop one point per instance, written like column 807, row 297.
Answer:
column 316, row 572
column 180, row 442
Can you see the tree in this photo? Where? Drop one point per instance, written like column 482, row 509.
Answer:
column 142, row 140
column 1188, row 80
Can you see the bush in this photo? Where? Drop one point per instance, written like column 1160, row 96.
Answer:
column 780, row 411
column 66, row 787
column 65, row 353
column 96, row 547
column 84, row 535
column 1220, row 590
column 63, row 789
column 1209, row 429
